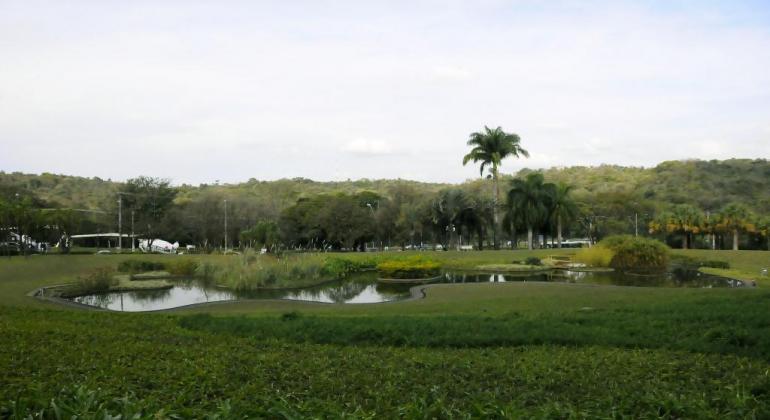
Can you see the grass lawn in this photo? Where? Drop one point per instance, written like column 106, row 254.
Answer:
column 507, row 350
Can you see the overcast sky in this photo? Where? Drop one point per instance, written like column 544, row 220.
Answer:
column 200, row 91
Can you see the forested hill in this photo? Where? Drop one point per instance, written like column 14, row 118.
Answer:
column 57, row 191
column 708, row 185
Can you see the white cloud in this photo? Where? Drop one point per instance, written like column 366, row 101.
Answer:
column 451, row 73
column 230, row 93
column 368, row 147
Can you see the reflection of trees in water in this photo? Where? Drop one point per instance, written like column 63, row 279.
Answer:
column 344, row 291
column 145, row 296
column 102, row 300
column 389, row 289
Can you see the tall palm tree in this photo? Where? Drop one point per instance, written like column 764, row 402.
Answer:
column 563, row 207
column 736, row 217
column 490, row 147
column 530, row 199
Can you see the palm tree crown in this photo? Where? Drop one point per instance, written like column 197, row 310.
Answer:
column 490, row 147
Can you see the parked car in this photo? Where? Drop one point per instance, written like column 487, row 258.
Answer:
column 9, row 248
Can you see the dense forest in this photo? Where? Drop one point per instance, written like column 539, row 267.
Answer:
column 686, row 203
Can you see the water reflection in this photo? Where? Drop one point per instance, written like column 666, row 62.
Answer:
column 363, row 288
column 676, row 278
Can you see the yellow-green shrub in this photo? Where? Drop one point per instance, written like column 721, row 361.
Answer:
column 596, row 256
column 409, row 268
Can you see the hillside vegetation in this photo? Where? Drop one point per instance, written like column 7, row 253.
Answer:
column 304, row 213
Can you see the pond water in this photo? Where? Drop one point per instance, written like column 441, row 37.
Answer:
column 363, row 288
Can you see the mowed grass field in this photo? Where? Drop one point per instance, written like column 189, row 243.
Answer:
column 479, row 350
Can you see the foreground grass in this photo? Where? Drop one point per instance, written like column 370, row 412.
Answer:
column 726, row 322
column 477, row 350
column 166, row 369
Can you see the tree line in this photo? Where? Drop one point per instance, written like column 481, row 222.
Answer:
column 705, row 204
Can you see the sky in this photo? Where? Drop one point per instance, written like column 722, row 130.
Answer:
column 204, row 91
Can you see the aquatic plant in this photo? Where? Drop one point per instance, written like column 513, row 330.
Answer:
column 183, row 267
column 96, row 280
column 138, row 266
column 416, row 267
column 596, row 256
column 250, row 271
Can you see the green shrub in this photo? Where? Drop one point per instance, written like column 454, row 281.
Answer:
column 532, row 261
column 409, row 268
column 183, row 267
column 714, row 264
column 681, row 259
column 633, row 253
column 97, row 280
column 138, row 266
column 596, row 256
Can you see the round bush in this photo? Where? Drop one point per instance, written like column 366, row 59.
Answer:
column 632, row 253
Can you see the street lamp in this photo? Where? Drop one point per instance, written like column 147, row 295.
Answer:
column 225, row 226
column 120, row 223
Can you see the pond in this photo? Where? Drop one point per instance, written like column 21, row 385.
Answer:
column 364, row 288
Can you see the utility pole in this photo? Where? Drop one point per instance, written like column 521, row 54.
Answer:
column 225, row 226
column 132, row 231
column 712, row 237
column 120, row 223
column 636, row 224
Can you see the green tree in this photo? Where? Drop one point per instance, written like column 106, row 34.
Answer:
column 563, row 208
column 150, row 198
column 490, row 147
column 763, row 225
column 530, row 199
column 448, row 213
column 736, row 217
column 263, row 234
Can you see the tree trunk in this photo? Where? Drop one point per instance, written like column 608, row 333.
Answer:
column 735, row 239
column 684, row 241
column 495, row 231
column 558, row 231
column 529, row 238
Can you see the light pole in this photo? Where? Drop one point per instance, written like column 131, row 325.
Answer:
column 120, row 223
column 18, row 224
column 132, row 231
column 636, row 224
column 374, row 242
column 225, row 226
